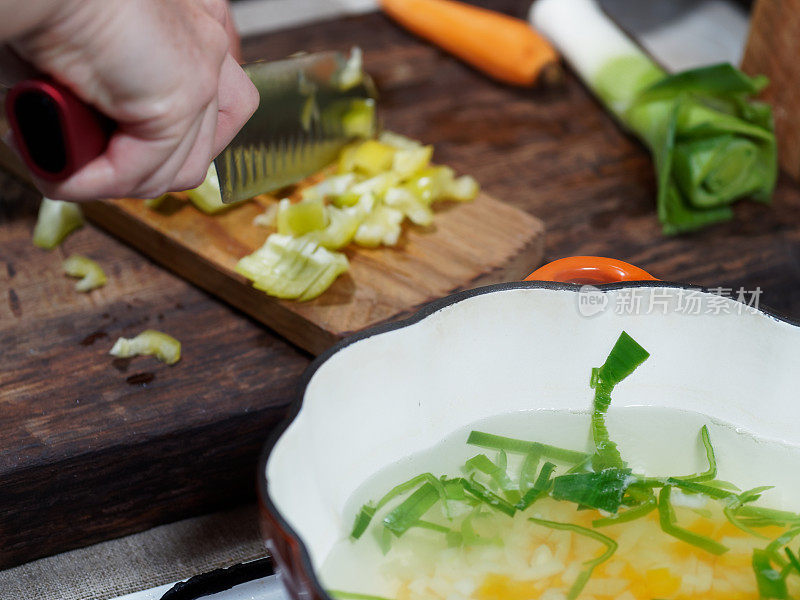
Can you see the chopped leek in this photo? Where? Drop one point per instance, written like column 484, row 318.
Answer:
column 668, row 525
column 646, row 505
column 341, row 229
column 358, row 117
column 151, row 343
column 296, row 268
column 363, row 519
column 373, row 157
column 793, row 560
column 602, row 490
column 540, row 487
column 771, row 583
column 527, row 473
column 91, row 274
column 711, row 144
column 497, row 442
column 407, row 162
column 711, row 473
column 380, row 227
column 351, row 72
column 300, row 218
column 497, row 473
column 380, row 183
column 412, row 207
column 411, row 510
column 486, row 496
column 207, row 196
column 625, row 357
column 590, row 565
column 56, row 220
column 333, row 186
column 398, row 141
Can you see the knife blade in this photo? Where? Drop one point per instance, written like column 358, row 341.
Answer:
column 311, row 106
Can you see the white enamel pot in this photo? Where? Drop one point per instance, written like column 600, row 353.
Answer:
column 400, row 388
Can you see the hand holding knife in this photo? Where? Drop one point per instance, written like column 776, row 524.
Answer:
column 163, row 71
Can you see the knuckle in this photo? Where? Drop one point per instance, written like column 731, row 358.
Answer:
column 190, row 180
column 216, row 40
column 218, row 9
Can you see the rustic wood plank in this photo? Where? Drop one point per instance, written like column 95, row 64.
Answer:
column 468, row 242
column 85, row 456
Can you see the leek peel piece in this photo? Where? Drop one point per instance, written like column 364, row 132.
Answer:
column 91, row 273
column 150, row 343
column 56, row 220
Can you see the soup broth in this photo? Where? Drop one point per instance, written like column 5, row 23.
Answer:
column 518, row 559
column 636, row 503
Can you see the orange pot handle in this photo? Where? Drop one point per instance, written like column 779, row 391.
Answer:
column 592, row 270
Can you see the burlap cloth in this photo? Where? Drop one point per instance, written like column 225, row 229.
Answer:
column 138, row 562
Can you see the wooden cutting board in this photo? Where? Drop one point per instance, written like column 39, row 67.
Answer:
column 469, row 244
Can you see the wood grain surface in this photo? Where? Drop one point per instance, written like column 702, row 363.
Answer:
column 86, row 456
column 468, row 243
column 772, row 51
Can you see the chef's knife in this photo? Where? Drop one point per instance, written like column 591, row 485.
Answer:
column 310, row 107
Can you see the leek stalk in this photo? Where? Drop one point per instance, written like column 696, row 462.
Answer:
column 711, row 144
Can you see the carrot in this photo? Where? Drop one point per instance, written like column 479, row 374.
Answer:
column 503, row 47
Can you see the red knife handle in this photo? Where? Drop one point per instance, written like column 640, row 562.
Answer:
column 56, row 132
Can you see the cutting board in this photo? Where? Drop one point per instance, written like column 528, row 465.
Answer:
column 469, row 244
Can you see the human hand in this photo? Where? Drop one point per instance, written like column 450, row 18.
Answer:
column 163, row 70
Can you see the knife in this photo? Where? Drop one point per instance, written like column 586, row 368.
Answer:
column 310, row 107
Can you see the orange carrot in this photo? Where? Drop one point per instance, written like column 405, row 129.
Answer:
column 503, row 47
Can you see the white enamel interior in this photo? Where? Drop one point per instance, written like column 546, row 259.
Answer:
column 382, row 398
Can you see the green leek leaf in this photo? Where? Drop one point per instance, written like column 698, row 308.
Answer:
column 540, row 487
column 667, row 519
column 406, row 515
column 624, row 358
column 515, row 446
column 711, row 473
column 602, row 490
column 480, row 492
column 771, row 584
column 589, row 565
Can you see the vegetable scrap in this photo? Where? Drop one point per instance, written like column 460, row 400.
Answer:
column 91, row 273
column 56, row 220
column 378, row 184
column 149, row 343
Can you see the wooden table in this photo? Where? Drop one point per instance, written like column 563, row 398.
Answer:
column 85, row 455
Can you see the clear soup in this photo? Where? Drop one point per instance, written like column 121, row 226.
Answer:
column 471, row 550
